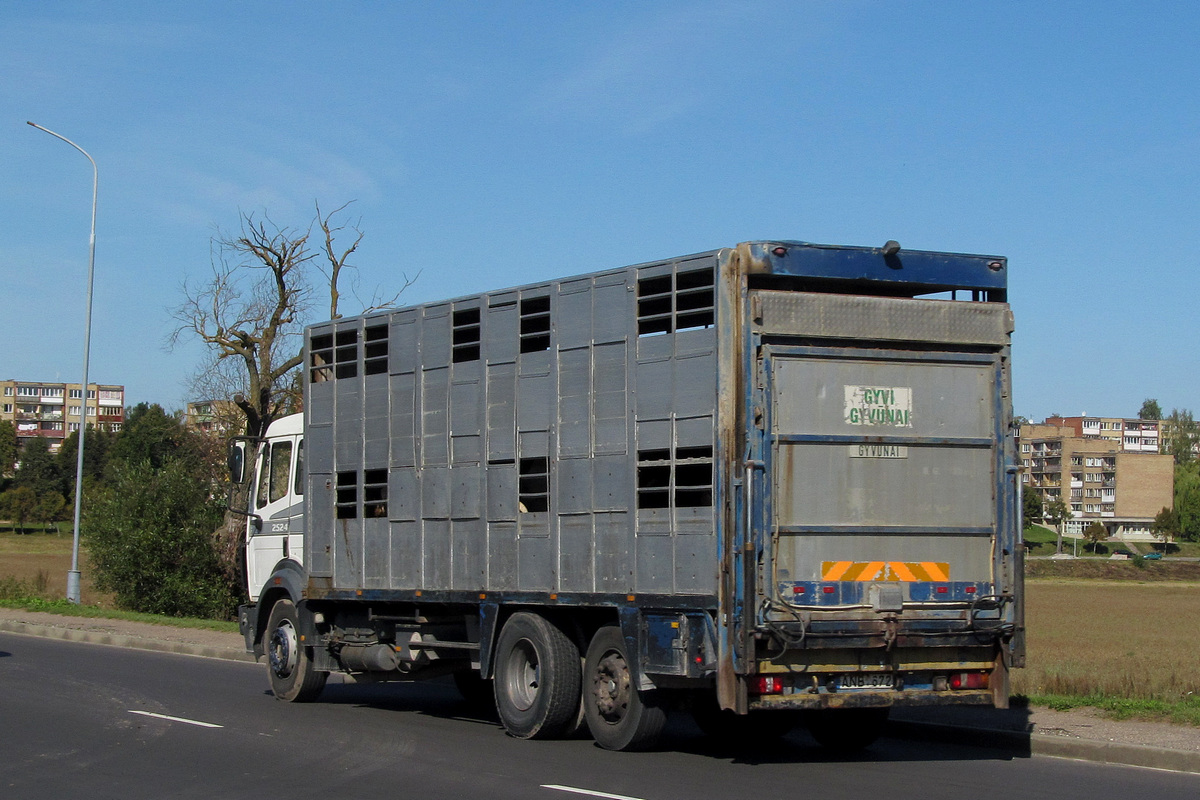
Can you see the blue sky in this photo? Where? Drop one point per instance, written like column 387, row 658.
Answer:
column 493, row 144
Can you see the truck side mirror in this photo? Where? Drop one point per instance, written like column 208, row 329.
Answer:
column 237, row 462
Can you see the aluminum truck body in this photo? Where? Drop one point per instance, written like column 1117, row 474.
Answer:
column 778, row 477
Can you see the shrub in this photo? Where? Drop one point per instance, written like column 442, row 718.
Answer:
column 149, row 535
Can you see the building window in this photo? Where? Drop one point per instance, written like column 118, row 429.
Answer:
column 29, row 391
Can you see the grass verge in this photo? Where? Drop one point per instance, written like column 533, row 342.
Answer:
column 31, row 595
column 1180, row 712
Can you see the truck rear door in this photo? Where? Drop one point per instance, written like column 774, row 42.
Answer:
column 884, row 480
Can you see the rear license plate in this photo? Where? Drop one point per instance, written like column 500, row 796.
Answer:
column 866, row 680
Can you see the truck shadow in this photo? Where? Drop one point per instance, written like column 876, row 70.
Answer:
column 929, row 735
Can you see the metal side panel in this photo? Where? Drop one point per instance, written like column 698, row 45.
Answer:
column 884, row 319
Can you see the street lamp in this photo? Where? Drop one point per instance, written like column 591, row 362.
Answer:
column 73, row 576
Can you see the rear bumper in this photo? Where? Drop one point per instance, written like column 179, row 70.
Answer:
column 800, row 701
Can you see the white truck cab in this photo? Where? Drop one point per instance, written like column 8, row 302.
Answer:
column 275, row 526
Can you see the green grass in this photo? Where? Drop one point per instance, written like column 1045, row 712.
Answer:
column 32, row 595
column 1181, row 712
column 1040, row 541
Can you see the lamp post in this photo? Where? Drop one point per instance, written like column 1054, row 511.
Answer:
column 73, row 595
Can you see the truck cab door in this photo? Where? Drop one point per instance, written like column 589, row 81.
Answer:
column 278, row 502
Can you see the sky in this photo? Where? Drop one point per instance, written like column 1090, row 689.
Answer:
column 485, row 145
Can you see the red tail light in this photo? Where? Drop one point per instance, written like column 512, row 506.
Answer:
column 766, row 684
column 969, row 680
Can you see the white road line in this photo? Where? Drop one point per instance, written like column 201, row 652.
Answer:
column 589, row 792
column 177, row 719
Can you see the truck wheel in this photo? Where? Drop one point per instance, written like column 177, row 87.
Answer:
column 536, row 678
column 289, row 663
column 847, row 730
column 618, row 715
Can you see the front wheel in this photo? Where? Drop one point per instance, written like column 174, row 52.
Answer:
column 289, row 662
column 618, row 715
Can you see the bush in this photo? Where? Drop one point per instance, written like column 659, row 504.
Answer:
column 149, row 535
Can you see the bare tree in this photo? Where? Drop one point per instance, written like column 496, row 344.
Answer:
column 250, row 313
column 337, row 259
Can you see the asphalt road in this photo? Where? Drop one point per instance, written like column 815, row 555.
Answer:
column 82, row 721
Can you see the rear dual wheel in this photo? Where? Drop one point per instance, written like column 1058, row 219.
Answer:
column 619, row 716
column 536, row 678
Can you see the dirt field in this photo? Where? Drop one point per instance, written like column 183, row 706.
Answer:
column 1120, row 638
column 25, row 557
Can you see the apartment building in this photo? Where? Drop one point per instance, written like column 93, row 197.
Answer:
column 217, row 417
column 55, row 410
column 1096, row 476
column 1134, row 435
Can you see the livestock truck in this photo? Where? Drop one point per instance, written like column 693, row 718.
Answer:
column 770, row 484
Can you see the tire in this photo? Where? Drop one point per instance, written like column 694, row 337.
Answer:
column 536, row 678
column 728, row 728
column 847, row 730
column 289, row 663
column 618, row 715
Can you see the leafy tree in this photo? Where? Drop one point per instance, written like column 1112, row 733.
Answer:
column 1150, row 409
column 1031, row 508
column 1182, row 433
column 8, row 447
column 17, row 505
column 1095, row 533
column 96, row 444
column 151, row 435
column 39, row 469
column 149, row 536
column 50, row 507
column 1187, row 501
column 1166, row 526
column 1056, row 513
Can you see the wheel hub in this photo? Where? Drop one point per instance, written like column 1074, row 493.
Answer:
column 611, row 687
column 282, row 651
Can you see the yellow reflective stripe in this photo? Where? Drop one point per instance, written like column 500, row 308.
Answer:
column 834, row 570
column 864, row 571
column 937, row 570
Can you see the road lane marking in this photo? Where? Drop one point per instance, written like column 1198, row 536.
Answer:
column 589, row 792
column 177, row 719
